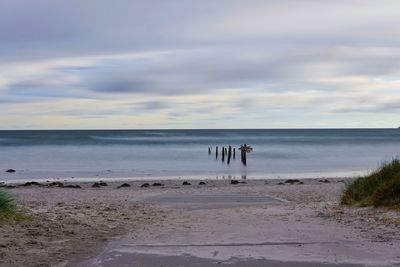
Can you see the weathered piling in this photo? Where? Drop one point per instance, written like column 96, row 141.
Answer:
column 244, row 158
column 234, row 153
column 226, row 151
column 229, row 154
column 223, row 154
column 209, row 150
column 216, row 152
column 243, row 153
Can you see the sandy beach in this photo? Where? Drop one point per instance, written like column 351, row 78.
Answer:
column 257, row 223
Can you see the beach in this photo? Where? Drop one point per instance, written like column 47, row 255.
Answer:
column 243, row 223
column 199, row 133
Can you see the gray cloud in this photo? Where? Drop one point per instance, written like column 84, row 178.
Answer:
column 292, row 55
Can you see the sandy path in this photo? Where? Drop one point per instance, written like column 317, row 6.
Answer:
column 309, row 227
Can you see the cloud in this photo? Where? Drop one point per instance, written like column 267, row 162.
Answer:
column 285, row 63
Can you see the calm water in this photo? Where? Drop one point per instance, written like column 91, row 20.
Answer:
column 183, row 153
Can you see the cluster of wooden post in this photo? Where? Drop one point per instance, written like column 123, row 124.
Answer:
column 229, row 153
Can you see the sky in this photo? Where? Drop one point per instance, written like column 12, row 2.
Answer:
column 156, row 64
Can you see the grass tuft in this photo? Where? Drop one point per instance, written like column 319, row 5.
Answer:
column 7, row 207
column 381, row 188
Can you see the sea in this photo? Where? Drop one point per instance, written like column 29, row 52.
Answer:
column 183, row 154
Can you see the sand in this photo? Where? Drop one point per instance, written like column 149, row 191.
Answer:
column 254, row 223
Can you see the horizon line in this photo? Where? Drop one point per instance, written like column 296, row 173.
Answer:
column 197, row 129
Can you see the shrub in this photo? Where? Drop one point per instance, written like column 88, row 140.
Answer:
column 380, row 188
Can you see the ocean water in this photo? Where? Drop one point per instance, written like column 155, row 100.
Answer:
column 164, row 154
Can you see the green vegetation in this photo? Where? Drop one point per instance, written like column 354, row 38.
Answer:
column 381, row 188
column 7, row 206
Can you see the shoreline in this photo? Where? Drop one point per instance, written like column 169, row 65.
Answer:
column 136, row 215
column 140, row 180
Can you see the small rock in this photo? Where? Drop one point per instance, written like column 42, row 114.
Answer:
column 99, row 184
column 10, row 170
column 202, row 183
column 324, row 181
column 124, row 185
column 145, row 185
column 96, row 184
column 281, row 183
column 186, row 183
column 234, row 182
column 158, row 184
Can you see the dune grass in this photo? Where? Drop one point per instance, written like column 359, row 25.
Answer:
column 7, row 207
column 381, row 188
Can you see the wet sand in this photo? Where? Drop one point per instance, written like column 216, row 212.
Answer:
column 246, row 224
column 155, row 260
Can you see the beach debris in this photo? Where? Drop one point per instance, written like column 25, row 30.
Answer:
column 324, row 181
column 99, row 184
column 10, row 170
column 280, row 183
column 145, row 185
column 71, row 186
column 202, row 183
column 57, row 184
column 186, row 183
column 158, row 184
column 32, row 183
column 234, row 182
column 124, row 185
column 292, row 181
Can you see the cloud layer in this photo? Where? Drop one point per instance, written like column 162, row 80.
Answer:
column 199, row 64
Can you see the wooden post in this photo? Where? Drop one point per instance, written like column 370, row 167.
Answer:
column 226, row 151
column 234, row 153
column 243, row 153
column 229, row 154
column 209, row 150
column 223, row 154
column 216, row 152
